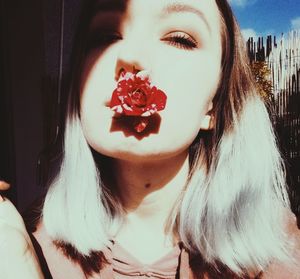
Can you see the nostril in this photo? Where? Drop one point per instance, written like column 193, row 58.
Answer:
column 121, row 71
column 118, row 74
column 135, row 70
column 132, row 69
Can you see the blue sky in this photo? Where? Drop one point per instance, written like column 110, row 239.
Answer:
column 267, row 17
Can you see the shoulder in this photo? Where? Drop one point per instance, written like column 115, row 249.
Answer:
column 58, row 258
column 52, row 258
column 289, row 269
column 54, row 262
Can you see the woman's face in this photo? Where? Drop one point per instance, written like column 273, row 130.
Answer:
column 178, row 45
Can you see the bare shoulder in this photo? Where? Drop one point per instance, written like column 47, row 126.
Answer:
column 289, row 270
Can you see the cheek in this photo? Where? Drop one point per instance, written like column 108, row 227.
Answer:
column 190, row 87
column 98, row 79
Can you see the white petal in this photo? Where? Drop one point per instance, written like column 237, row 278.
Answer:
column 146, row 113
column 127, row 107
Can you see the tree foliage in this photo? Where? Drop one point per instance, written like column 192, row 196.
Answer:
column 262, row 76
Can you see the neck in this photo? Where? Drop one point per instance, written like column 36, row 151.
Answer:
column 150, row 190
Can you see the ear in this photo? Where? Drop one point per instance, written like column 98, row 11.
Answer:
column 207, row 122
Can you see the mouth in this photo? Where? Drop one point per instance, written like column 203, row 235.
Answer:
column 130, row 125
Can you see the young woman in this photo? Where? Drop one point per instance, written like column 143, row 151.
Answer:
column 170, row 166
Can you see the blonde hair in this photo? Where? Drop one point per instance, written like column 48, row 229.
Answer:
column 231, row 211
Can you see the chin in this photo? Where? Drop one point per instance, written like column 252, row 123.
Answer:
column 134, row 153
column 134, row 150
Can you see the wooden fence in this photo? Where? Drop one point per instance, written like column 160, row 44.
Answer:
column 283, row 59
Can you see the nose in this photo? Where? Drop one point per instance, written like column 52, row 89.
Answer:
column 123, row 66
column 132, row 58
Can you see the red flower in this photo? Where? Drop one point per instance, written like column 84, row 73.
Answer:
column 135, row 96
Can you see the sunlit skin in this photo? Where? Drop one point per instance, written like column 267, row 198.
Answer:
column 179, row 48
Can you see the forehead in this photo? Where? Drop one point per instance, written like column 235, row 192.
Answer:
column 161, row 7
column 156, row 10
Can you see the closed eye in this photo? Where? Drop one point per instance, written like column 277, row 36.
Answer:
column 103, row 38
column 181, row 40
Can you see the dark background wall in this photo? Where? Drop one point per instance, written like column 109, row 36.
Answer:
column 35, row 46
column 22, row 67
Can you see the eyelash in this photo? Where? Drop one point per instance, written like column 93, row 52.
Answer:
column 103, row 39
column 182, row 41
column 111, row 37
column 179, row 40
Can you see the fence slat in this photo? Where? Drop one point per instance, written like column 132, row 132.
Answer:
column 283, row 60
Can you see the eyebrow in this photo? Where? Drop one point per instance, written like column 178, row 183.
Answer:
column 184, row 8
